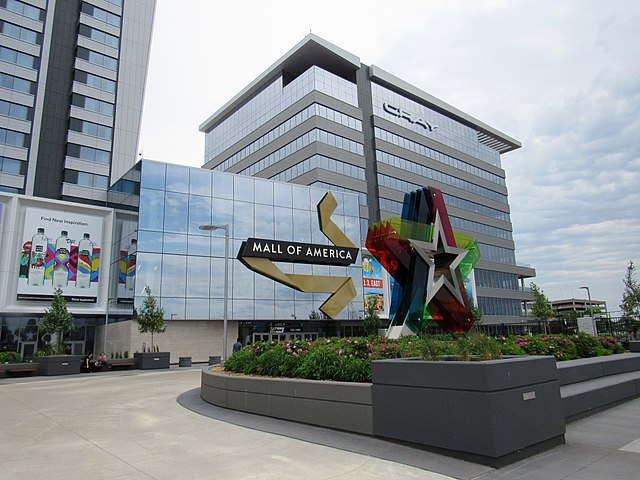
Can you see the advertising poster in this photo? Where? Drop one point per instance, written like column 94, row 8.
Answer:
column 127, row 271
column 372, row 283
column 59, row 249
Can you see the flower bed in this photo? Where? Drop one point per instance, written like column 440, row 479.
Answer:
column 349, row 359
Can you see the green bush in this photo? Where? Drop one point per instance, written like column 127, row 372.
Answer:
column 10, row 357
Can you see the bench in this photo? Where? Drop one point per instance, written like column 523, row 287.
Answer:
column 20, row 369
column 122, row 363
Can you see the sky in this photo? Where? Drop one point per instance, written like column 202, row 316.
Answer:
column 562, row 77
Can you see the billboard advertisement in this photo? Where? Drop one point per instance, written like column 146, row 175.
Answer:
column 59, row 249
column 127, row 262
column 373, row 284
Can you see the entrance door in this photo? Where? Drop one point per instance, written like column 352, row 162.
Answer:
column 77, row 348
column 28, row 349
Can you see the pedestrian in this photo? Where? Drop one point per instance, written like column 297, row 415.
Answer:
column 238, row 345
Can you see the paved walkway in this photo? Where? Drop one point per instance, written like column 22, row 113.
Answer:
column 153, row 425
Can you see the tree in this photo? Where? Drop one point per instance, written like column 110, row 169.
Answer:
column 371, row 320
column 57, row 319
column 630, row 305
column 541, row 306
column 151, row 316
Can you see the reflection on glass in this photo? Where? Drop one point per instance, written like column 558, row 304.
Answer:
column 242, row 310
column 264, row 309
column 264, row 221
column 222, row 214
column 197, row 245
column 148, row 270
column 216, row 288
column 153, row 175
column 175, row 243
column 243, row 219
column 198, row 277
column 264, row 288
column 198, row 309
column 176, row 213
column 149, row 241
column 301, row 198
column 151, row 215
column 243, row 188
column 199, row 214
column 283, row 223
column 282, row 195
column 200, row 183
column 177, row 178
column 174, row 308
column 223, row 186
column 302, row 226
column 174, row 272
column 264, row 192
column 242, row 281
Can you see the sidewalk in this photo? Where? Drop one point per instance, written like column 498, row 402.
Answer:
column 153, row 425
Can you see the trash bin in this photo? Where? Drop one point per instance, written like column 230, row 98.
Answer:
column 184, row 361
column 214, row 359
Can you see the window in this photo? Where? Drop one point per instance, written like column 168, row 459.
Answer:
column 89, row 154
column 98, row 58
column 18, row 84
column 11, row 165
column 98, row 36
column 88, row 103
column 95, row 81
column 14, row 110
column 22, row 8
column 16, row 139
column 90, row 128
column 18, row 58
column 85, row 179
column 99, row 14
column 20, row 33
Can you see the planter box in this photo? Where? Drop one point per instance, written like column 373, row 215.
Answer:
column 152, row 360
column 339, row 405
column 22, row 368
column 214, row 359
column 184, row 361
column 59, row 364
column 492, row 412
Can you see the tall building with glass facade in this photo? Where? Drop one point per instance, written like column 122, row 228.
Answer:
column 72, row 76
column 320, row 117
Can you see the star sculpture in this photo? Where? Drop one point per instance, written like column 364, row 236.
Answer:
column 428, row 263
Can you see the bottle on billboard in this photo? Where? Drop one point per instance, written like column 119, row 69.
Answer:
column 85, row 250
column 37, row 263
column 131, row 265
column 61, row 266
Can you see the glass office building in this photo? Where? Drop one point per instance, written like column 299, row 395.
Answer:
column 320, row 117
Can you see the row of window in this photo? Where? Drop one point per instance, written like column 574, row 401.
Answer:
column 315, row 135
column 95, row 81
column 500, row 306
column 270, row 101
column 99, row 36
column 320, row 161
column 450, row 200
column 100, row 14
column 85, row 179
column 491, row 253
column 126, row 186
column 99, row 59
column 464, row 224
column 24, row 9
column 456, row 222
column 430, row 173
column 493, row 279
column 18, row 58
column 13, row 138
column 90, row 128
column 88, row 103
column 20, row 33
column 14, row 110
column 297, row 119
column 18, row 84
column 438, row 156
column 89, row 154
column 362, row 197
column 11, row 165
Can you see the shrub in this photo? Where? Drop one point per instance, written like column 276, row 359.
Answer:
column 10, row 357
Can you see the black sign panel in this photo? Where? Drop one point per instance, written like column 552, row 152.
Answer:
column 295, row 252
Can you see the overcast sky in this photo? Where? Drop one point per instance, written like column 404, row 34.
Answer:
column 563, row 77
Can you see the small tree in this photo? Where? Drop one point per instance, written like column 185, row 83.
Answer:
column 151, row 316
column 371, row 320
column 541, row 306
column 57, row 320
column 630, row 305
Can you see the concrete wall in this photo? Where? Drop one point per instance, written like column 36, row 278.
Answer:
column 184, row 338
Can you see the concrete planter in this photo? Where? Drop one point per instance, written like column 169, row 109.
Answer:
column 634, row 346
column 184, row 361
column 21, row 368
column 492, row 412
column 340, row 405
column 215, row 359
column 59, row 364
column 152, row 360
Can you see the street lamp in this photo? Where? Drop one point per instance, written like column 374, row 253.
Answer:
column 589, row 296
column 226, row 281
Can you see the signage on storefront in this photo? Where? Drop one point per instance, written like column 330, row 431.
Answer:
column 410, row 117
column 294, row 252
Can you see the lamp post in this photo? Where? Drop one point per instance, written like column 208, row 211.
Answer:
column 589, row 297
column 226, row 281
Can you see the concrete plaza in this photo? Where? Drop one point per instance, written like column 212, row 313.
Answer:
column 152, row 425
